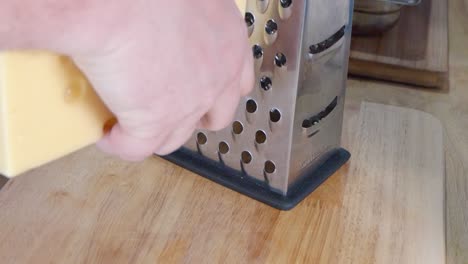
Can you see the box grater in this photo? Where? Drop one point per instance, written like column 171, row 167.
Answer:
column 285, row 139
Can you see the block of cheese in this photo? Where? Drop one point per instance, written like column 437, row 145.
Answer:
column 47, row 110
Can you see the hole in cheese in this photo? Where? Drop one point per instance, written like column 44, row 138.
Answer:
column 109, row 125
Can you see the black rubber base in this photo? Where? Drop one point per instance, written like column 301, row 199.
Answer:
column 254, row 188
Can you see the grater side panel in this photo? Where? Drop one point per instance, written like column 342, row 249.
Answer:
column 282, row 95
column 279, row 97
column 320, row 98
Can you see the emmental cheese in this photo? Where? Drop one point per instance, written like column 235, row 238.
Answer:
column 47, row 110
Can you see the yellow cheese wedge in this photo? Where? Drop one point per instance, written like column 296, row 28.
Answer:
column 47, row 110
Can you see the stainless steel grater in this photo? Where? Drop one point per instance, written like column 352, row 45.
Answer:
column 285, row 140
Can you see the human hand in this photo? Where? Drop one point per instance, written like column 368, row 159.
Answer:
column 172, row 67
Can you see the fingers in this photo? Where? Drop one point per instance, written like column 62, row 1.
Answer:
column 121, row 143
column 179, row 137
column 221, row 114
column 247, row 75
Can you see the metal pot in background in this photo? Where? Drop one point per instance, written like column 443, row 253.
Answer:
column 377, row 16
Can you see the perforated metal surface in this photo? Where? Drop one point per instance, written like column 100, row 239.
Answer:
column 291, row 122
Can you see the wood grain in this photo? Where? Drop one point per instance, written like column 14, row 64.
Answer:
column 394, row 194
column 414, row 52
column 452, row 109
column 386, row 206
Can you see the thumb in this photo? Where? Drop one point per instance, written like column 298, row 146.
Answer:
column 121, row 143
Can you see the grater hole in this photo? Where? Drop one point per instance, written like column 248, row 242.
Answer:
column 270, row 167
column 316, row 119
column 266, row 83
column 257, row 51
column 285, row 3
column 275, row 115
column 280, row 60
column 201, row 139
column 262, row 5
column 223, row 148
column 307, row 123
column 249, row 19
column 285, row 9
column 246, row 157
column 251, row 106
column 237, row 128
column 326, row 44
column 260, row 137
column 271, row 27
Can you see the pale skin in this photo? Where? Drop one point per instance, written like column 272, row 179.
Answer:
column 164, row 68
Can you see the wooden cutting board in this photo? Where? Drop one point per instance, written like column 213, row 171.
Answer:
column 415, row 51
column 385, row 206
